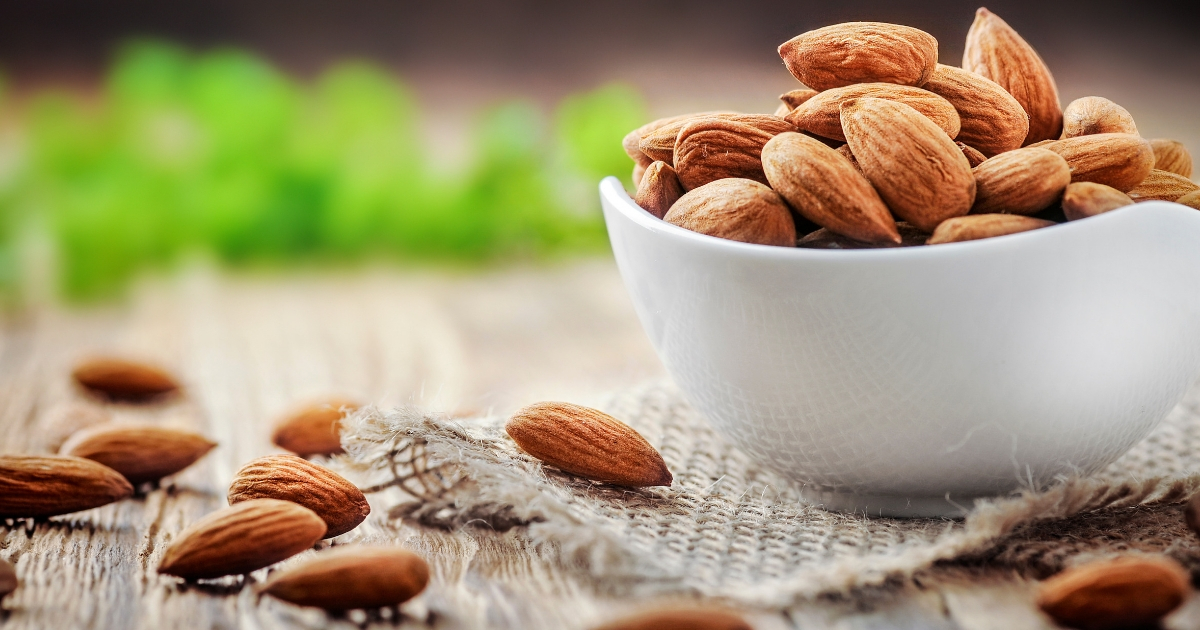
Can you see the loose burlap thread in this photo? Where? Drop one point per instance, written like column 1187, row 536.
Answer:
column 730, row 528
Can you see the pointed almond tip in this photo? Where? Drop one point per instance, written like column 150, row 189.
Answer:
column 983, row 12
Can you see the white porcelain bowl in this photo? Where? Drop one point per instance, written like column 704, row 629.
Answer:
column 910, row 381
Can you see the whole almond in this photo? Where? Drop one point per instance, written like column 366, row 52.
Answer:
column 795, row 98
column 1124, row 593
column 973, row 155
column 919, row 172
column 1095, row 114
column 689, row 618
column 658, row 144
column 1022, row 181
column 659, row 190
column 826, row 239
column 351, row 576
column 140, row 452
column 1191, row 200
column 708, row 149
column 120, row 379
column 738, row 210
column 825, row 188
column 1162, row 186
column 8, row 578
column 995, row 51
column 1087, row 199
column 991, row 120
column 979, row 226
column 822, row 114
column 1171, row 156
column 589, row 443
column 242, row 538
column 314, row 429
column 1119, row 160
column 338, row 502
column 37, row 486
column 860, row 52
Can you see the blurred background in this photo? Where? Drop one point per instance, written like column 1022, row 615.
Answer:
column 137, row 135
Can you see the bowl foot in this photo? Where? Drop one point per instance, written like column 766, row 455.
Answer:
column 890, row 506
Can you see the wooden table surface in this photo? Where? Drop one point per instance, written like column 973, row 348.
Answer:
column 249, row 348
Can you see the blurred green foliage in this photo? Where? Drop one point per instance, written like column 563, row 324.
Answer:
column 222, row 153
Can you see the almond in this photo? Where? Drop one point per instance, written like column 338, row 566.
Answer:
column 338, row 502
column 973, row 155
column 995, row 51
column 314, row 429
column 8, row 578
column 978, row 226
column 1119, row 160
column 35, row 486
column 352, row 576
column 659, row 190
column 822, row 114
column 120, row 379
column 796, row 98
column 1171, row 156
column 1022, row 181
column 919, row 172
column 242, row 538
column 588, row 443
column 1124, row 593
column 1095, row 114
column 738, row 210
column 1162, row 186
column 991, row 120
column 658, row 144
column 708, row 149
column 689, row 618
column 826, row 239
column 140, row 452
column 1087, row 199
column 1191, row 200
column 860, row 52
column 826, row 189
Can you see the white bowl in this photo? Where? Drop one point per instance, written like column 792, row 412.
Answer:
column 911, row 381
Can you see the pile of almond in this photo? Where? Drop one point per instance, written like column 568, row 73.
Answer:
column 886, row 147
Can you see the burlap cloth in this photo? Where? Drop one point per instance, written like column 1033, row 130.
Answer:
column 730, row 529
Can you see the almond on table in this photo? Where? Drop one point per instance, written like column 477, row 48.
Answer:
column 140, row 452
column 339, row 503
column 352, row 576
column 37, row 486
column 1124, row 593
column 314, row 429
column 124, row 380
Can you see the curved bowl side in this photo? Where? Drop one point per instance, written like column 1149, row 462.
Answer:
column 967, row 368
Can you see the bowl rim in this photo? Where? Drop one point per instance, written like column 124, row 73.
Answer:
column 612, row 190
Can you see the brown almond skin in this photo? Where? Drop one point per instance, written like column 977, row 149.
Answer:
column 658, row 144
column 1119, row 160
column 795, row 98
column 8, row 578
column 659, row 190
column 37, row 486
column 338, row 502
column 991, row 120
column 1022, row 181
column 1162, row 186
column 691, row 618
column 124, row 380
column 919, row 172
column 588, row 443
column 736, row 209
column 822, row 114
column 314, row 429
column 1171, row 156
column 825, row 188
column 980, row 226
column 973, row 155
column 347, row 577
column 140, row 452
column 242, row 538
column 826, row 239
column 860, row 52
column 1095, row 114
column 708, row 149
column 1191, row 200
column 995, row 51
column 1106, row 595
column 1088, row 199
